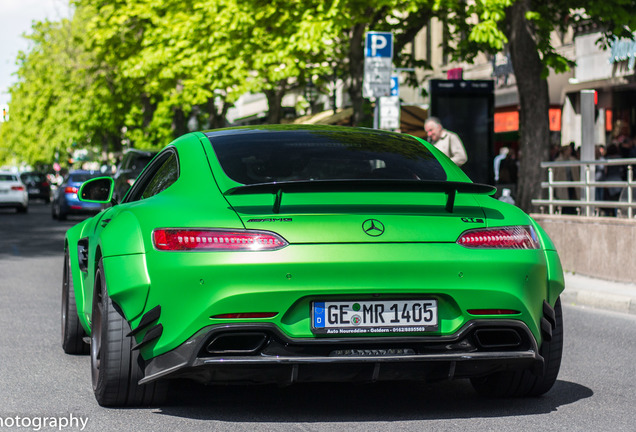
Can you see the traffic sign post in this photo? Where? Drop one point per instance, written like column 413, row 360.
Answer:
column 390, row 107
column 378, row 64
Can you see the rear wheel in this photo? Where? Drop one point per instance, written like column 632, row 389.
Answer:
column 524, row 382
column 61, row 214
column 115, row 367
column 72, row 331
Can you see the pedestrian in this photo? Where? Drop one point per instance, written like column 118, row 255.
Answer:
column 567, row 174
column 613, row 173
column 508, row 172
column 503, row 152
column 446, row 141
column 599, row 171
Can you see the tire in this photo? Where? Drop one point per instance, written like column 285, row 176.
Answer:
column 72, row 331
column 22, row 209
column 115, row 367
column 524, row 382
column 61, row 215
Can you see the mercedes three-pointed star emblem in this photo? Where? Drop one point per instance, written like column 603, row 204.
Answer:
column 373, row 227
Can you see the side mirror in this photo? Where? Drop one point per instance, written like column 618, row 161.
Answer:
column 97, row 190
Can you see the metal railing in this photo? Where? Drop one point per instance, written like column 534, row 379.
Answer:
column 588, row 186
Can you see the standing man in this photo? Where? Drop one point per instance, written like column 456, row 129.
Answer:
column 446, row 141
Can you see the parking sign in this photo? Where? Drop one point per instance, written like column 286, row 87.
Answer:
column 379, row 44
column 378, row 64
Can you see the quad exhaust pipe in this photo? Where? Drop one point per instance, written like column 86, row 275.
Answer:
column 237, row 343
column 497, row 338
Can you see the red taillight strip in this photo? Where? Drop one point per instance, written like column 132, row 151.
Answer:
column 17, row 188
column 493, row 312
column 245, row 315
column 514, row 237
column 176, row 239
column 70, row 189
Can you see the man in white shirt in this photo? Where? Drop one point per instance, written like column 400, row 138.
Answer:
column 446, row 141
column 503, row 152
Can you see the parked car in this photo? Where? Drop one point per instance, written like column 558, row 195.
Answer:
column 37, row 184
column 283, row 254
column 65, row 200
column 13, row 192
column 132, row 163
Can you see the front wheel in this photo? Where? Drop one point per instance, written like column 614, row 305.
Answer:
column 115, row 367
column 72, row 331
column 524, row 382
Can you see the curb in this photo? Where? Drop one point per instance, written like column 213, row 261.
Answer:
column 599, row 294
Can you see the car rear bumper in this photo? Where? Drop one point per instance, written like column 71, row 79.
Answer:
column 260, row 354
column 14, row 200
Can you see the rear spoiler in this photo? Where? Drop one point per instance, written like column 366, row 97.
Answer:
column 450, row 188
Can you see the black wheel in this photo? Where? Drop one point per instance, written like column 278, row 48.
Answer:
column 72, row 331
column 115, row 367
column 61, row 215
column 22, row 209
column 524, row 382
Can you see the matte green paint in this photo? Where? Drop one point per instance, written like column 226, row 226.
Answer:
column 329, row 255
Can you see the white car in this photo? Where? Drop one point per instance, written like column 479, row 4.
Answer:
column 13, row 192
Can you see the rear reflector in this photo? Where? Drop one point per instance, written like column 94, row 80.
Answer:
column 243, row 315
column 493, row 311
column 175, row 239
column 514, row 237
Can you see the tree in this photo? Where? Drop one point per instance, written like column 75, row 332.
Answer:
column 351, row 19
column 524, row 27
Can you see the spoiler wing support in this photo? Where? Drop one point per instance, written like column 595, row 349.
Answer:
column 450, row 188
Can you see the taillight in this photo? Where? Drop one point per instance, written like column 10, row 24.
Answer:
column 175, row 239
column 243, row 315
column 514, row 237
column 17, row 188
column 70, row 189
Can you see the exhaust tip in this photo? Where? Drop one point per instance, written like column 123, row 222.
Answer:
column 237, row 343
column 497, row 338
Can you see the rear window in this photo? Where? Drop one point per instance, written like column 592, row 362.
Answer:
column 82, row 177
column 255, row 156
column 8, row 177
column 33, row 177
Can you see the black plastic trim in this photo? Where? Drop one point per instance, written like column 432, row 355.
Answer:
column 191, row 360
column 149, row 318
column 152, row 334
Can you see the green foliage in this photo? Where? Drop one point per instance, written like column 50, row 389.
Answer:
column 138, row 71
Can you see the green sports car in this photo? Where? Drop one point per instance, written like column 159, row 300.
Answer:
column 283, row 254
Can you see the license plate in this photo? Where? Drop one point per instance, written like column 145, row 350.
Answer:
column 33, row 190
column 369, row 316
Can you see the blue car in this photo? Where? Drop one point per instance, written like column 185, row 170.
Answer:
column 65, row 201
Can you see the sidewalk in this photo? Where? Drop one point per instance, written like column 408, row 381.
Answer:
column 597, row 293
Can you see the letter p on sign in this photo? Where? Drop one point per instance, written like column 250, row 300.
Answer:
column 378, row 42
column 379, row 45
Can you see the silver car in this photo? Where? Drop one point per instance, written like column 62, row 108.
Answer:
column 13, row 192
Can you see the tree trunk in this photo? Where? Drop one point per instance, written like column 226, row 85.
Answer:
column 274, row 102
column 216, row 118
column 534, row 126
column 179, row 123
column 356, row 72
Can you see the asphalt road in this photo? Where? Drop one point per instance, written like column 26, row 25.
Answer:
column 38, row 382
